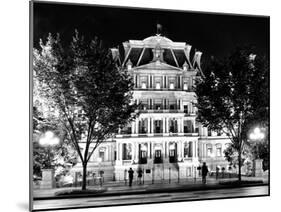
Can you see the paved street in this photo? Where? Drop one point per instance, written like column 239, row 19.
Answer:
column 149, row 198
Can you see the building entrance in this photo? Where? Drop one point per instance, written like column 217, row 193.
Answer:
column 158, row 156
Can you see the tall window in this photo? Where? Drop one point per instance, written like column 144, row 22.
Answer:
column 143, row 126
column 144, row 104
column 143, row 153
column 173, row 126
column 172, row 104
column 158, row 104
column 187, row 126
column 185, row 109
column 143, row 82
column 209, row 150
column 102, row 153
column 127, row 151
column 209, row 132
column 172, row 152
column 218, row 150
column 187, row 149
column 127, row 129
column 157, row 127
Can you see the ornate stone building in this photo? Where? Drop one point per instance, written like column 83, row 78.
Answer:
column 165, row 141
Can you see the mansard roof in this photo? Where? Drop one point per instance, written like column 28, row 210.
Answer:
column 161, row 48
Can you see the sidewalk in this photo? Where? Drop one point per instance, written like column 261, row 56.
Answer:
column 119, row 188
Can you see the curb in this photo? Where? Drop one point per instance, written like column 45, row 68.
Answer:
column 151, row 191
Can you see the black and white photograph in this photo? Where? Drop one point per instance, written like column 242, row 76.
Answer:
column 133, row 106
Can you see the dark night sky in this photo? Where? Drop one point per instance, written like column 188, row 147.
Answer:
column 212, row 34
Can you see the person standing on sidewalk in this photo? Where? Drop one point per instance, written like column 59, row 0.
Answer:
column 131, row 176
column 139, row 175
column 204, row 172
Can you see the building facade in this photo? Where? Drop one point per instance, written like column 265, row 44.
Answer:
column 165, row 140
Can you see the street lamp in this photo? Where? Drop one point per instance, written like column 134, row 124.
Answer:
column 48, row 140
column 256, row 134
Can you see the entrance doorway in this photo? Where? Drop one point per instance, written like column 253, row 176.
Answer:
column 158, row 156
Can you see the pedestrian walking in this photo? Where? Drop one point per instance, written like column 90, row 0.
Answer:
column 139, row 175
column 204, row 173
column 131, row 176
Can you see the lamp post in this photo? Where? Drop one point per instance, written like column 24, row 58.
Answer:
column 48, row 140
column 257, row 135
column 99, row 162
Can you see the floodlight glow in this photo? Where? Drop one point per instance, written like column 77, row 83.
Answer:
column 49, row 139
column 256, row 134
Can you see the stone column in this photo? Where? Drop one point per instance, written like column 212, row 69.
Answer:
column 133, row 127
column 178, row 123
column 148, row 125
column 180, row 149
column 121, row 151
column 137, row 151
column 152, row 81
column 196, row 149
column 148, row 149
column 163, row 125
column 118, row 150
column 181, row 82
column 137, row 126
column 193, row 149
column 138, row 81
column 152, row 125
column 193, row 122
column 133, row 150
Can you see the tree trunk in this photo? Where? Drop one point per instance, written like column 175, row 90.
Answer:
column 84, row 177
column 239, row 165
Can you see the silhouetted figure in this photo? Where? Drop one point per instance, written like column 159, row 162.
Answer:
column 139, row 175
column 131, row 176
column 217, row 172
column 204, row 172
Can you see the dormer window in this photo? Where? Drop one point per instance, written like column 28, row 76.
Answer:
column 172, row 85
column 185, row 86
column 158, row 85
column 129, row 65
column 185, row 66
column 143, row 85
